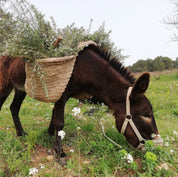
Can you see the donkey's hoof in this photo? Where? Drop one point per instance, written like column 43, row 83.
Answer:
column 63, row 161
column 22, row 133
column 63, row 154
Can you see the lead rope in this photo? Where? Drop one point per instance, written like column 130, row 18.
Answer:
column 102, row 126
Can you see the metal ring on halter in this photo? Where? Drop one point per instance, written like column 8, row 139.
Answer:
column 129, row 116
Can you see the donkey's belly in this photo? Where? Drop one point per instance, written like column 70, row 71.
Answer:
column 17, row 74
column 82, row 96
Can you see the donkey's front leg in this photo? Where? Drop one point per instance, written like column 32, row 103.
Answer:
column 51, row 126
column 58, row 120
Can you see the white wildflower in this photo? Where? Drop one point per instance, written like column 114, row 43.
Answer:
column 76, row 111
column 171, row 151
column 33, row 171
column 166, row 144
column 42, row 166
column 172, row 138
column 167, row 138
column 78, row 128
column 175, row 132
column 153, row 135
column 124, row 157
column 102, row 120
column 72, row 151
column 62, row 134
column 129, row 158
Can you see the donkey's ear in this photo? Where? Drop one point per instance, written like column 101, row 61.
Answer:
column 141, row 84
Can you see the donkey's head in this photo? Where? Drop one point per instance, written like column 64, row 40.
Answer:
column 138, row 123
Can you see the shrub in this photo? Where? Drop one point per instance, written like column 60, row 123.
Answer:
column 33, row 37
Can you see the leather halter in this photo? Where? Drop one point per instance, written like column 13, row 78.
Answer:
column 128, row 119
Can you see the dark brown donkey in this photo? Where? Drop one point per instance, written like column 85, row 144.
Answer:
column 97, row 74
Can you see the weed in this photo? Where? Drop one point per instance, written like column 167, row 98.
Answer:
column 93, row 154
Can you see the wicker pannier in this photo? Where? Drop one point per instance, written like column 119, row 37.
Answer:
column 49, row 85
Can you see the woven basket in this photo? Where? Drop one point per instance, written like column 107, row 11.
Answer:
column 56, row 71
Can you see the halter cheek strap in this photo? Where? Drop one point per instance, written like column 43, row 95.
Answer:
column 128, row 119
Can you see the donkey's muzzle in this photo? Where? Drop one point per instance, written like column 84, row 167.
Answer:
column 158, row 140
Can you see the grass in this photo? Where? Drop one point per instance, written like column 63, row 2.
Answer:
column 89, row 153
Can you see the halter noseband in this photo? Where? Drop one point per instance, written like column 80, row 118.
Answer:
column 128, row 119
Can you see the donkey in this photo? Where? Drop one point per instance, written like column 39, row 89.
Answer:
column 98, row 74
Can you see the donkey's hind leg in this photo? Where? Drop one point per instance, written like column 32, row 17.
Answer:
column 15, row 108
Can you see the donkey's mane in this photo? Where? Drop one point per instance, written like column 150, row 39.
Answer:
column 113, row 61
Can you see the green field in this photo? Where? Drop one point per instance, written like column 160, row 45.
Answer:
column 89, row 153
